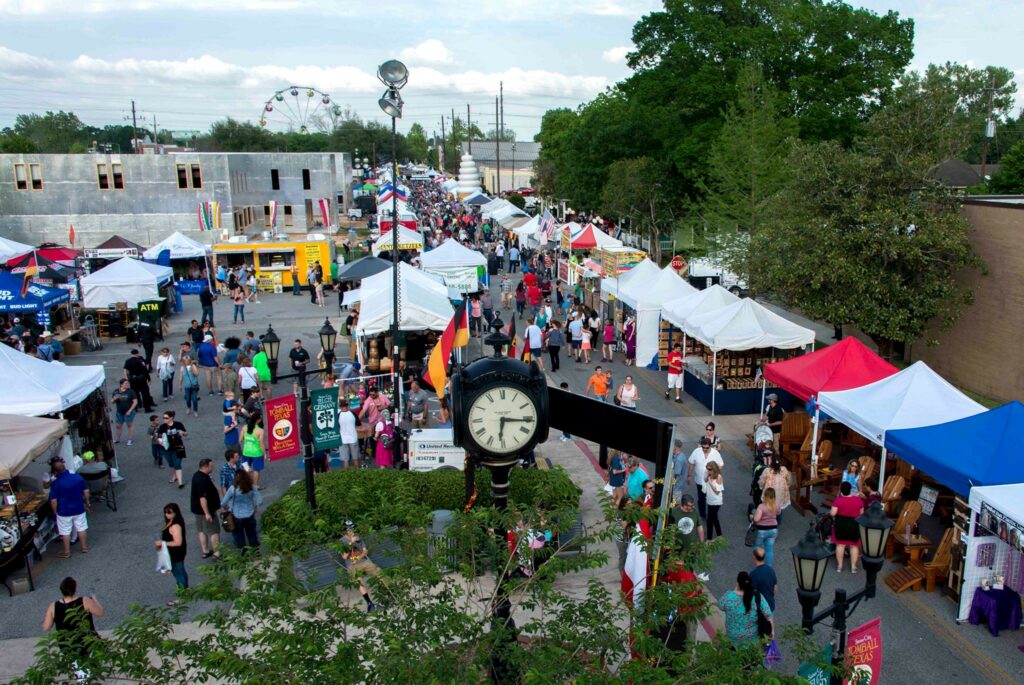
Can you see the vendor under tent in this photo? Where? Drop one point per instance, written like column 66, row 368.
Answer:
column 911, row 398
column 461, row 269
column 994, row 551
column 741, row 326
column 36, row 298
column 25, row 438
column 181, row 248
column 363, row 268
column 407, row 240
column 527, row 232
column 928, row 448
column 126, row 280
column 650, row 295
column 9, row 249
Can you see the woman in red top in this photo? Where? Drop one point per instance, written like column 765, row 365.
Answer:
column 608, row 342
column 845, row 531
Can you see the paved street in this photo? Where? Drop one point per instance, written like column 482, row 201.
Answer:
column 120, row 566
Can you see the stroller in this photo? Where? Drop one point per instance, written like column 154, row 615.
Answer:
column 764, row 450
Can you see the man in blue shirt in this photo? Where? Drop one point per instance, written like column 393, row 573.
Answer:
column 206, row 355
column 763, row 577
column 251, row 345
column 69, row 497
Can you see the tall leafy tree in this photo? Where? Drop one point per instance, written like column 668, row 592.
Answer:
column 1010, row 177
column 551, row 166
column 636, row 190
column 747, row 167
column 416, row 143
column 53, row 132
column 11, row 142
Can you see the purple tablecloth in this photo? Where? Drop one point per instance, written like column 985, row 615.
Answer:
column 1000, row 607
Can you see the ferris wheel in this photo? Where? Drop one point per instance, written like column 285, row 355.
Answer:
column 301, row 109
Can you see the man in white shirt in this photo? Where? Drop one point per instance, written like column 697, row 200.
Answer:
column 576, row 336
column 698, row 460
column 535, row 341
column 349, row 450
column 499, row 252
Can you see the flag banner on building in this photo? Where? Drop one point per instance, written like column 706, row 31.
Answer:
column 510, row 331
column 456, row 334
column 864, row 653
column 323, row 407
column 71, row 235
column 209, row 215
column 547, row 228
column 282, row 428
column 388, row 190
column 634, row 572
column 325, row 210
column 272, row 205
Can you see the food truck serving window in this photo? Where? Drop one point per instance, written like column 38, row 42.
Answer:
column 281, row 258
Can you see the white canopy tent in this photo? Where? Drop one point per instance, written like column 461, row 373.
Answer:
column 509, row 210
column 126, row 280
column 407, row 240
column 422, row 302
column 650, row 295
column 743, row 325
column 992, row 508
column 493, row 205
column 528, row 231
column 450, row 185
column 914, row 397
column 456, row 264
column 25, row 438
column 180, row 246
column 710, row 299
column 618, row 287
column 9, row 249
column 40, row 387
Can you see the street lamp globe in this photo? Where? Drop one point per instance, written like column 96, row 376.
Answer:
column 875, row 527
column 391, row 103
column 271, row 343
column 393, row 74
column 810, row 557
column 328, row 336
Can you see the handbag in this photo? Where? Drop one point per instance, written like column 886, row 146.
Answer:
column 772, row 654
column 227, row 520
column 751, row 536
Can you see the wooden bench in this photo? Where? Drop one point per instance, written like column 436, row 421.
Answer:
column 905, row 578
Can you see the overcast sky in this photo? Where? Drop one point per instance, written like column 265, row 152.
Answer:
column 190, row 62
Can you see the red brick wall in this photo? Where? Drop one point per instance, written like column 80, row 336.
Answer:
column 984, row 351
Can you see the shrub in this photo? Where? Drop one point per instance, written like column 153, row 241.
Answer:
column 377, row 498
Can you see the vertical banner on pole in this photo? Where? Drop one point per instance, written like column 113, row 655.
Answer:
column 814, row 672
column 282, row 428
column 323, row 405
column 864, row 653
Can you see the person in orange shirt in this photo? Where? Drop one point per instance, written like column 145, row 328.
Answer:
column 599, row 382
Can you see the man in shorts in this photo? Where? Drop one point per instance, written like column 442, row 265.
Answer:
column 126, row 402
column 204, row 502
column 675, row 372
column 576, row 336
column 348, row 452
column 69, row 497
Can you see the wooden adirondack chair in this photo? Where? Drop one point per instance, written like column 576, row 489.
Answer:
column 795, row 427
column 909, row 515
column 937, row 567
column 857, row 441
column 867, row 468
column 892, row 493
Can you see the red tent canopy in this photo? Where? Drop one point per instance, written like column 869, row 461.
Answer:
column 64, row 255
column 845, row 365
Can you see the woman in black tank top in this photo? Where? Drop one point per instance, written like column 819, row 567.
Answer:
column 71, row 615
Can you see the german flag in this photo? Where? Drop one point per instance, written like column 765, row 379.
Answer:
column 456, row 334
column 510, row 331
column 30, row 272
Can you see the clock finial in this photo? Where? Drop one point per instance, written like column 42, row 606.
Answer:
column 497, row 339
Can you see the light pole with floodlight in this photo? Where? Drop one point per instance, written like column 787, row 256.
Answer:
column 394, row 75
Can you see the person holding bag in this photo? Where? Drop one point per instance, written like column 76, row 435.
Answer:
column 188, row 383
column 172, row 537
column 243, row 502
column 748, row 618
column 171, row 438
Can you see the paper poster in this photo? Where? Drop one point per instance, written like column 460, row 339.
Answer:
column 323, row 407
column 864, row 653
column 282, row 428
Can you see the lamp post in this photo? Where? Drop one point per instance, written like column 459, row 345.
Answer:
column 328, row 336
column 811, row 558
column 272, row 346
column 394, row 75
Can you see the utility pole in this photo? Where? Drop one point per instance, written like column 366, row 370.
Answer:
column 990, row 127
column 373, row 163
column 156, row 135
column 497, row 148
column 469, row 128
column 135, row 133
column 433, row 138
column 443, row 143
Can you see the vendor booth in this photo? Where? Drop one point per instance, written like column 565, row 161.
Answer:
column 589, row 237
column 913, row 397
column 462, row 269
column 110, row 250
column 363, row 268
column 192, row 262
column 646, row 297
column 475, row 200
column 527, row 233
column 35, row 298
column 9, row 249
column 272, row 260
column 26, row 523
column 127, row 280
column 408, row 239
column 406, row 217
column 734, row 343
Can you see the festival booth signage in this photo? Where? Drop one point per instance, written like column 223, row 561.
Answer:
column 408, row 239
column 282, row 428
column 864, row 653
column 18, row 297
column 462, row 269
column 181, row 248
column 323, row 407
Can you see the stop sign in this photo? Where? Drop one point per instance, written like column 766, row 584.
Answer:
column 678, row 263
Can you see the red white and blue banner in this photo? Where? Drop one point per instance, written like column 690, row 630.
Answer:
column 273, row 213
column 325, row 210
column 388, row 190
column 546, row 230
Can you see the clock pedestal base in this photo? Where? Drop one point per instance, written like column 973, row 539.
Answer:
column 499, row 482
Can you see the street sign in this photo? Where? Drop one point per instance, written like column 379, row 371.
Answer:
column 678, row 263
column 323, row 406
column 282, row 427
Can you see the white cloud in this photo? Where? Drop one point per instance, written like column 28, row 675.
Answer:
column 616, row 55
column 431, row 51
column 20, row 65
column 66, row 7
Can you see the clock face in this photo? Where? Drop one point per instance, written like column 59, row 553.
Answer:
column 502, row 419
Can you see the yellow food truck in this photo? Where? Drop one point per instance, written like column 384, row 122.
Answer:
column 273, row 259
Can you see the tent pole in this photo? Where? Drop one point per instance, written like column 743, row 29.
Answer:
column 881, row 466
column 714, row 379
column 814, row 441
column 764, row 388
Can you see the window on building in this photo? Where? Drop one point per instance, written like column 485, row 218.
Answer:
column 35, row 174
column 275, row 180
column 197, row 176
column 182, row 177
column 289, row 218
column 102, row 179
column 20, row 177
column 310, row 218
column 117, row 171
column 306, row 184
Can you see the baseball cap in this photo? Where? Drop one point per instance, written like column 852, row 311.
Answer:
column 773, row 396
column 55, row 459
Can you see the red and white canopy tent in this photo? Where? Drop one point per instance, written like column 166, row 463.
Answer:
column 847, row 364
column 588, row 237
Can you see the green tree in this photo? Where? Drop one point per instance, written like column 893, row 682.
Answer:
column 231, row 135
column 14, row 143
column 53, row 132
column 747, row 167
column 552, row 163
column 635, row 190
column 507, row 135
column 416, row 142
column 1010, row 177
column 517, row 199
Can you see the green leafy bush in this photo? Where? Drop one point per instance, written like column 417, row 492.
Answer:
column 377, row 498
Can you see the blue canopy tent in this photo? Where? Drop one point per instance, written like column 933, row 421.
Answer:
column 36, row 298
column 953, row 454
